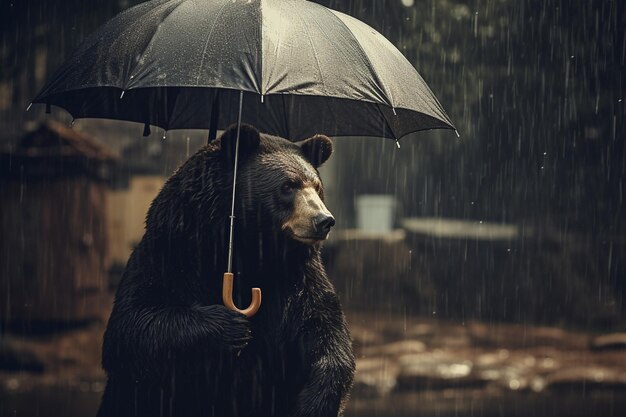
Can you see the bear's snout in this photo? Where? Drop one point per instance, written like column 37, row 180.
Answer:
column 310, row 220
column 322, row 223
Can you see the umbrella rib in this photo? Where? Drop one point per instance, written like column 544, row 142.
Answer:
column 387, row 122
column 143, row 53
column 287, row 130
column 206, row 44
column 317, row 61
column 379, row 81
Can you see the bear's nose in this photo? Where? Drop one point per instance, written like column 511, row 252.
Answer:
column 323, row 223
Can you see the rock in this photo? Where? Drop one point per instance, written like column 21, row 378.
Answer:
column 16, row 359
column 362, row 336
column 613, row 341
column 515, row 370
column 420, row 372
column 586, row 378
column 421, row 331
column 512, row 376
column 458, row 341
column 538, row 384
column 375, row 377
column 395, row 349
column 515, row 382
column 547, row 335
column 514, row 336
column 493, row 358
column 480, row 333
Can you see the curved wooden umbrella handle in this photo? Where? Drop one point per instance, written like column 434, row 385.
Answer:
column 227, row 297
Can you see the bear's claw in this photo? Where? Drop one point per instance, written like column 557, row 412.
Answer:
column 231, row 328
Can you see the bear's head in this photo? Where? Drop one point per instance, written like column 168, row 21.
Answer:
column 279, row 190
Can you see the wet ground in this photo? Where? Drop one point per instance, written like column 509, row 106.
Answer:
column 406, row 367
column 480, row 403
column 420, row 367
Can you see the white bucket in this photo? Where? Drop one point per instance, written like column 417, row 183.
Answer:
column 375, row 212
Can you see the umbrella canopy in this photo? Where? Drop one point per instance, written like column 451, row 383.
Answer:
column 173, row 63
column 189, row 64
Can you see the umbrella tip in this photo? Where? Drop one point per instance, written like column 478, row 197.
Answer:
column 398, row 143
column 457, row 133
column 29, row 106
column 262, row 96
column 122, row 95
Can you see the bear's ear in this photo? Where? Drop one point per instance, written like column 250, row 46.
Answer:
column 317, row 149
column 249, row 139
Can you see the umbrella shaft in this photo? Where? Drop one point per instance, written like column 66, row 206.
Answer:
column 232, row 206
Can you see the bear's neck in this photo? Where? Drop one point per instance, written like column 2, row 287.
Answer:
column 271, row 262
column 258, row 260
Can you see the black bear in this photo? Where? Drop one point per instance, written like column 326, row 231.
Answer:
column 172, row 349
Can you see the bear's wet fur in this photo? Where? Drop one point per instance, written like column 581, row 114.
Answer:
column 172, row 349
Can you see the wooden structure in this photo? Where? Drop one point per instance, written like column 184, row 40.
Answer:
column 53, row 220
column 127, row 213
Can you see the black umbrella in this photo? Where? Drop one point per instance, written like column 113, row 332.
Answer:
column 292, row 68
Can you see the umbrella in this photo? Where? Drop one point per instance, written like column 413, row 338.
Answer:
column 292, row 68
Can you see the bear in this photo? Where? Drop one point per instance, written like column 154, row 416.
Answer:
column 172, row 349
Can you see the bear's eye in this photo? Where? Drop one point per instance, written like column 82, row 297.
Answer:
column 288, row 188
